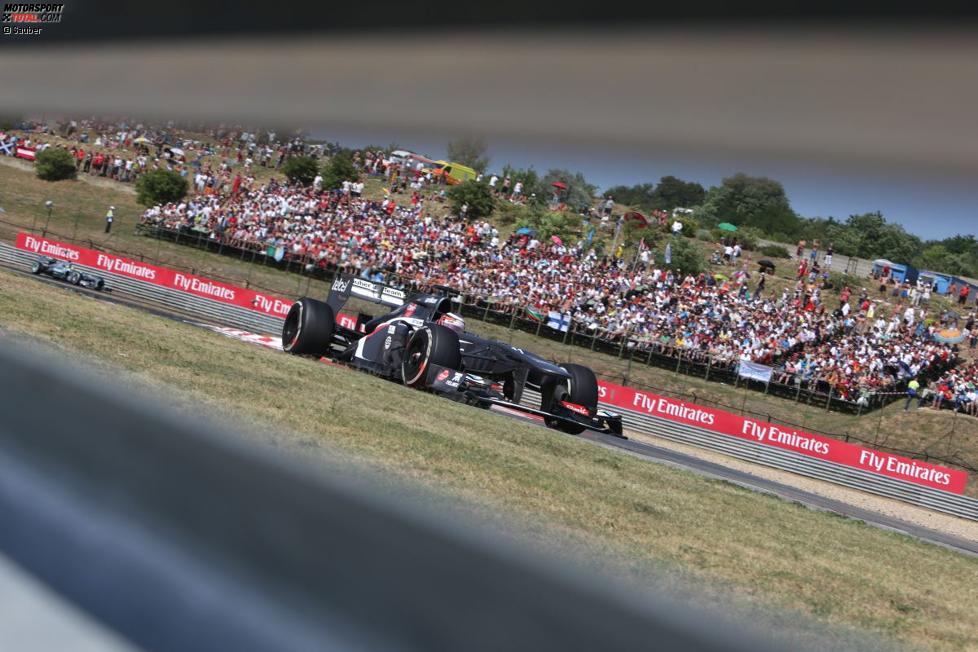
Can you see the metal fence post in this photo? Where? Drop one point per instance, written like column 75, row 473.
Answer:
column 679, row 361
column 828, row 401
column 709, row 365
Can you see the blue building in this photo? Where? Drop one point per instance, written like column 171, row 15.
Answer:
column 939, row 281
column 898, row 271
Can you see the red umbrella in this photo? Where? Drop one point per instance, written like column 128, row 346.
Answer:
column 556, row 240
column 559, row 184
column 638, row 217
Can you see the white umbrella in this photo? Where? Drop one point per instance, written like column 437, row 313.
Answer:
column 176, row 151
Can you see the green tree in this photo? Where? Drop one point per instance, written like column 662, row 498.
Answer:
column 579, row 192
column 686, row 256
column 673, row 193
column 55, row 164
column 752, row 201
column 160, row 187
column 338, row 169
column 477, row 195
column 470, row 151
column 639, row 196
column 533, row 190
column 300, row 169
column 545, row 224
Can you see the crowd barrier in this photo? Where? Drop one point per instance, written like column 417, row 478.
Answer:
column 870, row 470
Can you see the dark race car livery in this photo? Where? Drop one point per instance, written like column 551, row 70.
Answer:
column 422, row 343
column 64, row 271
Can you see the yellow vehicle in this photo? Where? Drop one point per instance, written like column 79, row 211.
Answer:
column 454, row 173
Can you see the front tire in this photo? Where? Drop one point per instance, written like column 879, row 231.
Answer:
column 74, row 278
column 581, row 388
column 36, row 267
column 431, row 345
column 308, row 328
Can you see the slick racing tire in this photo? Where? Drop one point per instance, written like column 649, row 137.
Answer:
column 580, row 388
column 36, row 267
column 308, row 328
column 100, row 285
column 74, row 278
column 431, row 345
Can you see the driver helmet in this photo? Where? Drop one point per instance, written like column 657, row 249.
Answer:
column 452, row 321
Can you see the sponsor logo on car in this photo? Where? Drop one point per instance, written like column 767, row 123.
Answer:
column 574, row 407
column 443, row 375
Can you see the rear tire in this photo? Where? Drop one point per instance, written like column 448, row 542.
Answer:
column 431, row 345
column 308, row 328
column 580, row 388
column 99, row 285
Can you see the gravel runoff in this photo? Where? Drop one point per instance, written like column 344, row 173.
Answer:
column 919, row 516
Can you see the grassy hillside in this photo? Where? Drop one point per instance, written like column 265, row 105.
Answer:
column 624, row 511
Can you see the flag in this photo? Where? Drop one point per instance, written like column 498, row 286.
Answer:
column 668, row 254
column 279, row 253
column 7, row 147
column 534, row 313
column 28, row 153
column 270, row 251
column 558, row 322
column 754, row 371
column 590, row 235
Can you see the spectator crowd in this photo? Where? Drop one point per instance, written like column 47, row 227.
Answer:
column 855, row 351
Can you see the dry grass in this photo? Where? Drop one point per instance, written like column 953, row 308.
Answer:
column 625, row 510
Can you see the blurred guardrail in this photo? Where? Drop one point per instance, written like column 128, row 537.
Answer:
column 784, row 460
column 184, row 538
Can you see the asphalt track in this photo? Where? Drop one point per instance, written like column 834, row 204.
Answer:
column 648, row 452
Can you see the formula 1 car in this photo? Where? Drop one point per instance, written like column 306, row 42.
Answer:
column 422, row 343
column 64, row 271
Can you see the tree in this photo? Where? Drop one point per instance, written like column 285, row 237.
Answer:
column 477, row 195
column 340, row 168
column 675, row 193
column 300, row 169
column 160, row 187
column 686, row 256
column 639, row 196
column 533, row 190
column 545, row 224
column 55, row 164
column 752, row 201
column 579, row 192
column 470, row 151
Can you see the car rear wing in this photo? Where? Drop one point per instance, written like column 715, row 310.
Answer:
column 345, row 287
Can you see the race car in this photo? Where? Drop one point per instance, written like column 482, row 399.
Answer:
column 422, row 343
column 63, row 270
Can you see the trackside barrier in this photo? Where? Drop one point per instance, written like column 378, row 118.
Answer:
column 884, row 474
